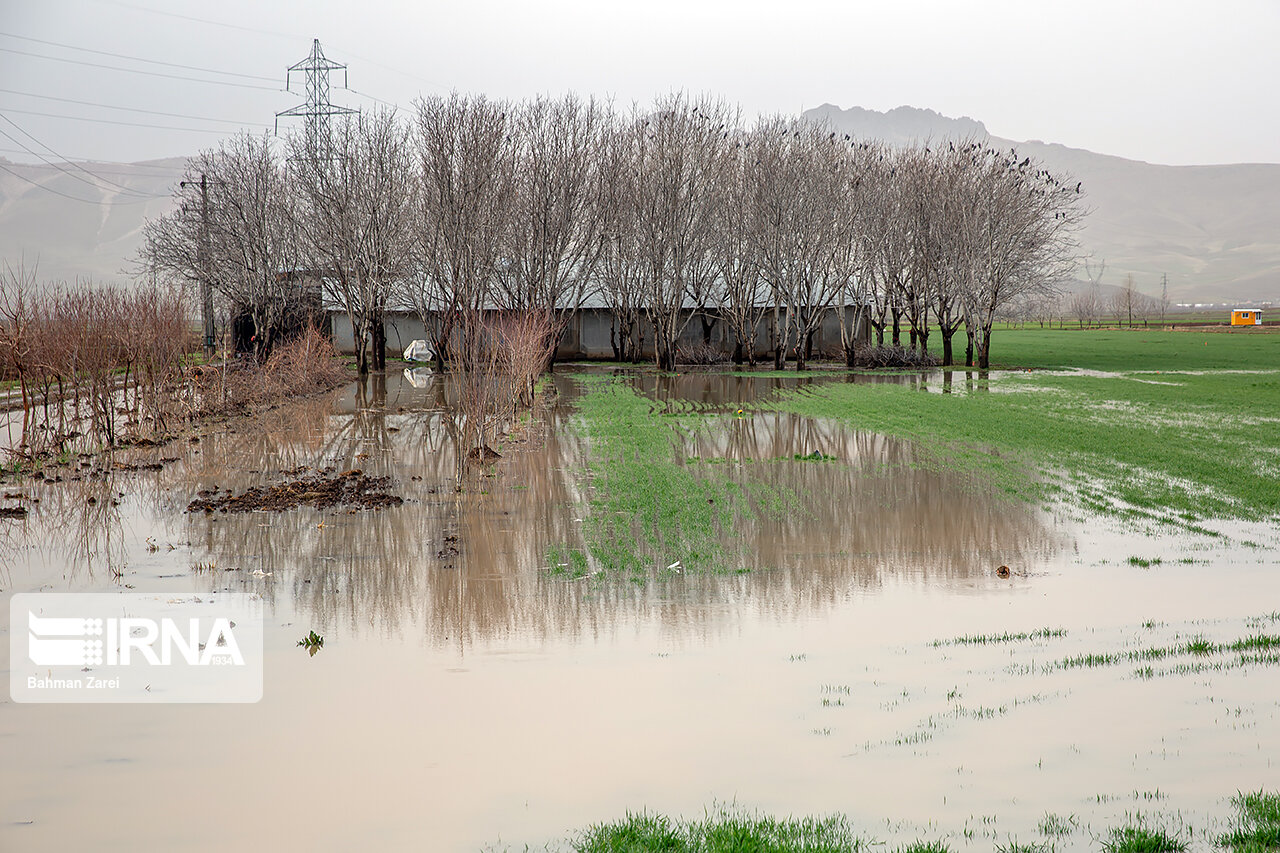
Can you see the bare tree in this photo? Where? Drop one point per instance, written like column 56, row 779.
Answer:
column 804, row 212
column 466, row 155
column 621, row 268
column 552, row 240
column 742, row 295
column 680, row 144
column 243, row 239
column 1125, row 302
column 356, row 213
column 1024, row 219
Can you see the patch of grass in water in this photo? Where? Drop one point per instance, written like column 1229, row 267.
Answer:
column 723, row 832
column 985, row 639
column 1055, row 826
column 1253, row 649
column 1257, row 824
column 646, row 509
column 1014, row 846
column 925, row 847
column 815, row 456
column 1145, row 562
column 1142, row 839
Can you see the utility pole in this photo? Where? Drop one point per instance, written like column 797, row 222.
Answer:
column 1164, row 295
column 206, row 280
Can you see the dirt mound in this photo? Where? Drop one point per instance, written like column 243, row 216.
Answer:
column 483, row 454
column 350, row 488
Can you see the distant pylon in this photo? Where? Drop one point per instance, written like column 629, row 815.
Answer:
column 317, row 109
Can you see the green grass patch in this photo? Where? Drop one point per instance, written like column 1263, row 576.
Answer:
column 1166, row 446
column 1257, row 824
column 1129, row 349
column 1254, row 649
column 650, row 509
column 723, row 832
column 1142, row 839
column 1006, row 637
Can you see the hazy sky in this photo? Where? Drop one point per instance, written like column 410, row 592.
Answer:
column 1167, row 82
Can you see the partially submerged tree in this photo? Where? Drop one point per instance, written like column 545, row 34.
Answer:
column 356, row 214
column 680, row 146
column 466, row 158
column 552, row 239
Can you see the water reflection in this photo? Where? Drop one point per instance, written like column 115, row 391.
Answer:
column 470, row 568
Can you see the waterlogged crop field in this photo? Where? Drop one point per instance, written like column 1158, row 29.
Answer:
column 1013, row 610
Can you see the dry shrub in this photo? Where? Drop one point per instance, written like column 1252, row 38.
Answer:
column 893, row 356
column 528, row 339
column 303, row 365
column 85, row 356
column 700, row 354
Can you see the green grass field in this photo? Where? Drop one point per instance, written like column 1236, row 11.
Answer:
column 1132, row 349
column 1178, row 426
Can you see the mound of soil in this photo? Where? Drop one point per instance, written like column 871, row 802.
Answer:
column 483, row 454
column 350, row 488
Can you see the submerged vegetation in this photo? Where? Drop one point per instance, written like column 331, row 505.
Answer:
column 1257, row 824
column 725, row 830
column 648, row 512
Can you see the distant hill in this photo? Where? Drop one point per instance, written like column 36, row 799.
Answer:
column 1215, row 230
column 72, row 225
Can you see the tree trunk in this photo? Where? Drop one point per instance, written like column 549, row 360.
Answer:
column 946, row 347
column 379, row 343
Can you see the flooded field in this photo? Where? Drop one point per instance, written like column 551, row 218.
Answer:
column 862, row 652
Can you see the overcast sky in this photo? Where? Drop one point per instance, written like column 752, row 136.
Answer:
column 1162, row 81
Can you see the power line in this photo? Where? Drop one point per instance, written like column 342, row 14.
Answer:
column 111, row 121
column 139, row 58
column 72, row 197
column 132, row 109
column 164, row 173
column 139, row 71
column 58, row 168
column 147, row 9
column 56, row 154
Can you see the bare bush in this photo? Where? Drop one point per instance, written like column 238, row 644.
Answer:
column 84, row 358
column 304, row 365
column 894, row 356
column 482, row 383
column 700, row 354
column 528, row 340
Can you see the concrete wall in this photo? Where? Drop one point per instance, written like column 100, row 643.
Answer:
column 588, row 336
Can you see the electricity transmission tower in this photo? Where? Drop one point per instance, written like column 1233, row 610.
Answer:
column 317, row 109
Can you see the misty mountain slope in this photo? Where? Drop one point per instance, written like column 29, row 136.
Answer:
column 1215, row 230
column 72, row 226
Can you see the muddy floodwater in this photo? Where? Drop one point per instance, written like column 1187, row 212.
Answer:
column 866, row 658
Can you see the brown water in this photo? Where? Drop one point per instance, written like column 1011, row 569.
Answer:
column 468, row 699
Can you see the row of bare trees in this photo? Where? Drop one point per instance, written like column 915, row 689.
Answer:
column 83, row 356
column 661, row 213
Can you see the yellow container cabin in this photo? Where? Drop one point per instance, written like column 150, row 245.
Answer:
column 1246, row 317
